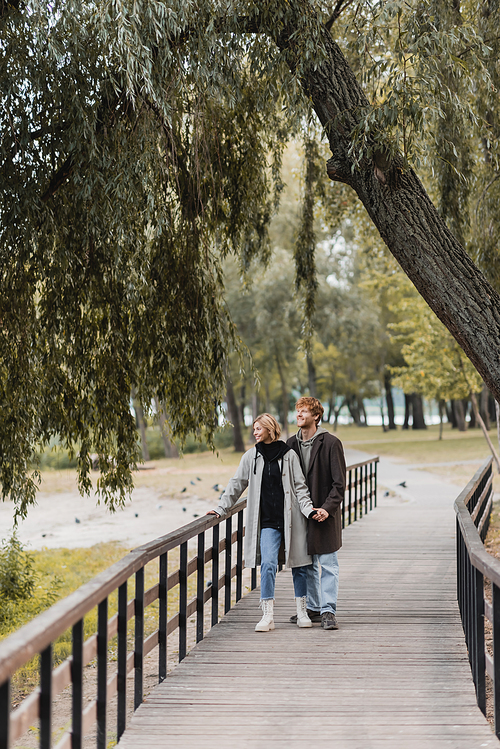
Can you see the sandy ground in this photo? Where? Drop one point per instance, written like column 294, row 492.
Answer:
column 164, row 499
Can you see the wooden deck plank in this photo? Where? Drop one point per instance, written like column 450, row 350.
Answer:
column 394, row 676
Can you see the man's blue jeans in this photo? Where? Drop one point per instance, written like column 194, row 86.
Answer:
column 322, row 587
column 270, row 542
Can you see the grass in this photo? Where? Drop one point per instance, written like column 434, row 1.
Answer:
column 71, row 568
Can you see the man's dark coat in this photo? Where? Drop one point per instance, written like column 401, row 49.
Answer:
column 326, row 481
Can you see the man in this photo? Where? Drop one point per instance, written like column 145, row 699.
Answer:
column 323, row 463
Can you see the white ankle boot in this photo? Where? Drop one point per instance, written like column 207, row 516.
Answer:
column 267, row 621
column 302, row 616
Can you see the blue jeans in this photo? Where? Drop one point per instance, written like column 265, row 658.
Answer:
column 270, row 542
column 322, row 587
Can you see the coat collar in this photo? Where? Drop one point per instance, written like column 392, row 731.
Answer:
column 314, row 451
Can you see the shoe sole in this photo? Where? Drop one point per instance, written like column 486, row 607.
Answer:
column 314, row 619
column 267, row 629
column 304, row 625
column 330, row 627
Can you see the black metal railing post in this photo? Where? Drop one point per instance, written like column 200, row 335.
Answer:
column 162, row 617
column 479, row 656
column 253, row 578
column 183, row 601
column 227, row 565
column 496, row 656
column 46, row 698
column 349, row 520
column 5, row 715
column 102, row 672
column 121, row 717
column 239, row 556
column 77, row 686
column 200, row 587
column 215, row 575
column 139, row 637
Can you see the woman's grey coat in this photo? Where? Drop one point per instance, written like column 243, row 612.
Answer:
column 297, row 506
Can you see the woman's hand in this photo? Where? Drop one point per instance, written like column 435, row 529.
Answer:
column 320, row 514
column 212, row 512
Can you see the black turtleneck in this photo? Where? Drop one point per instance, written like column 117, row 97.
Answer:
column 272, row 497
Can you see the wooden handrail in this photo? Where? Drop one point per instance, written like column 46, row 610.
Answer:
column 479, row 557
column 33, row 637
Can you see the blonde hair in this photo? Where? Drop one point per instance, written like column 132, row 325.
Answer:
column 269, row 422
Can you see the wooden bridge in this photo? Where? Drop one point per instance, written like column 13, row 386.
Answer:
column 396, row 674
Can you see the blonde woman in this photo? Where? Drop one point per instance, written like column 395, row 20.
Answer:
column 277, row 507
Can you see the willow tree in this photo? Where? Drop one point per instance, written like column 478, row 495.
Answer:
column 140, row 144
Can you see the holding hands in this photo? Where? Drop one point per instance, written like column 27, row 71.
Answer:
column 319, row 514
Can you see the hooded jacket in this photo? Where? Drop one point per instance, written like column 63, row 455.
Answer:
column 297, row 506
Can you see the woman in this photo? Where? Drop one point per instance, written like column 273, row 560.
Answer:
column 277, row 507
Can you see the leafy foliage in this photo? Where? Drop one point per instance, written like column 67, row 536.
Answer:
column 21, row 596
column 141, row 144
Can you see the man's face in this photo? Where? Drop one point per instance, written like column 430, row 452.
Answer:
column 305, row 419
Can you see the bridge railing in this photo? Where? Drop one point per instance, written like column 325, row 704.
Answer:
column 474, row 567
column 38, row 637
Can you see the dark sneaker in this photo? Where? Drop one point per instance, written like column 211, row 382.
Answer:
column 314, row 616
column 328, row 621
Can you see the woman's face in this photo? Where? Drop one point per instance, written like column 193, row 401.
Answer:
column 261, row 434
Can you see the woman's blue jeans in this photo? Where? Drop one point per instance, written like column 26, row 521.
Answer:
column 270, row 542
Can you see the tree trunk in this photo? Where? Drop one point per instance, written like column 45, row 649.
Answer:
column 485, row 432
column 243, row 397
column 450, row 414
column 473, row 423
column 458, row 410
column 170, row 449
column 389, row 400
column 336, row 412
column 418, row 412
column 255, row 405
column 403, row 213
column 492, row 407
column 483, row 407
column 284, row 398
column 408, row 411
column 141, row 424
column 362, row 411
column 311, row 375
column 441, row 406
column 382, row 416
column 234, row 416
column 353, row 409
column 331, row 404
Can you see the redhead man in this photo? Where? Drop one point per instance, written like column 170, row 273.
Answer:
column 322, row 459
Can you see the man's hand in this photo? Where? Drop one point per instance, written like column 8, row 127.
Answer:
column 212, row 512
column 320, row 514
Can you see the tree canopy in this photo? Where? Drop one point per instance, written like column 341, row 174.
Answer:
column 141, row 144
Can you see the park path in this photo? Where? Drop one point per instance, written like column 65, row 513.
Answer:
column 394, row 676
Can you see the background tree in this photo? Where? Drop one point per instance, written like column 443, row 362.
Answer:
column 139, row 149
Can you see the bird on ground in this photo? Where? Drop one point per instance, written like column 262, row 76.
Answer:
column 403, row 484
column 386, row 494
column 198, row 478
column 77, row 520
column 183, row 509
column 137, row 514
column 183, row 490
column 195, row 515
column 193, row 483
